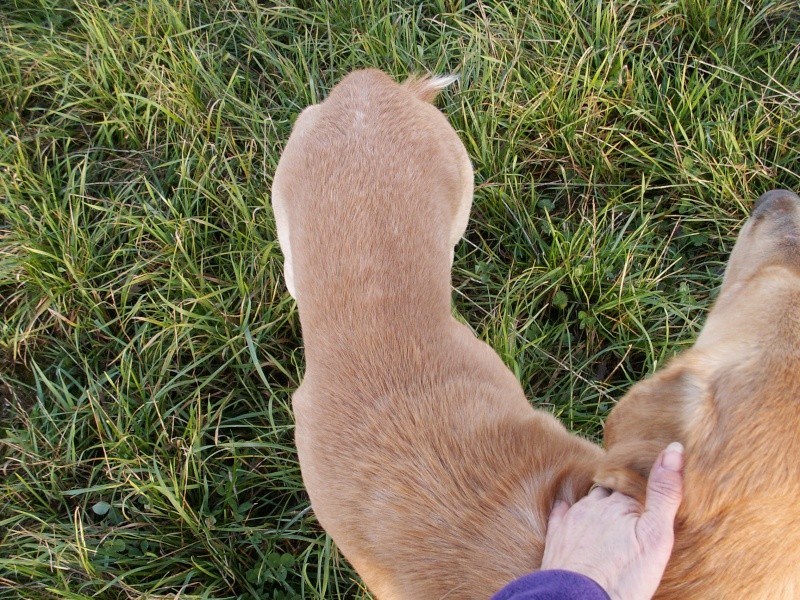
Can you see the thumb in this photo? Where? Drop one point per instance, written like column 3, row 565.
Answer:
column 664, row 493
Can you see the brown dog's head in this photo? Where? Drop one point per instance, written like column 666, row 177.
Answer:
column 733, row 399
column 373, row 157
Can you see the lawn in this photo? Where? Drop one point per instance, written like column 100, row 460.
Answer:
column 148, row 346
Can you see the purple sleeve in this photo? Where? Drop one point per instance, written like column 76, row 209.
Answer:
column 552, row 585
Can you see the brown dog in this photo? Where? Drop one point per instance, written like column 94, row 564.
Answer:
column 420, row 453
column 733, row 399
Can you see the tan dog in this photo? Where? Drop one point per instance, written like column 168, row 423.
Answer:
column 733, row 399
column 421, row 455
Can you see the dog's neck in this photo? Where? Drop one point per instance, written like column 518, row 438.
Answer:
column 378, row 314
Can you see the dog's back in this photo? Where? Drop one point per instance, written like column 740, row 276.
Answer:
column 420, row 453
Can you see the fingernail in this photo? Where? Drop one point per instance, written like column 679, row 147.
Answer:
column 673, row 457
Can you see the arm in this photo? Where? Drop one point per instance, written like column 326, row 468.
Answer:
column 552, row 585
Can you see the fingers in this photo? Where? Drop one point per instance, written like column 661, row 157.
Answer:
column 664, row 493
column 560, row 509
column 557, row 515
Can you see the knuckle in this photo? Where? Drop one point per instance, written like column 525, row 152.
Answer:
column 670, row 490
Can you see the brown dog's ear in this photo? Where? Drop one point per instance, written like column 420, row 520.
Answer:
column 427, row 87
column 650, row 416
column 627, row 467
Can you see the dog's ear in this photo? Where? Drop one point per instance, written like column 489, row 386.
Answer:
column 626, row 468
column 650, row 416
column 427, row 87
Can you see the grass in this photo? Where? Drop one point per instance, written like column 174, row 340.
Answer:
column 148, row 347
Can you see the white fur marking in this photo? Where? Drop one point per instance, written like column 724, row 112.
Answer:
column 442, row 81
column 284, row 239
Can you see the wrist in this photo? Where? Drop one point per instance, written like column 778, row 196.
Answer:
column 596, row 576
column 588, row 582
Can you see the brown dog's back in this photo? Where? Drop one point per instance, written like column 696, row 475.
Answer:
column 422, row 457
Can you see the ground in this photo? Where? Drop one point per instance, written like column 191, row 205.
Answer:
column 148, row 346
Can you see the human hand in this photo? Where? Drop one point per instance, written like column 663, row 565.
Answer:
column 609, row 538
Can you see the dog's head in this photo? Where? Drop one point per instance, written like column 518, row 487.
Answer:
column 733, row 399
column 350, row 158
